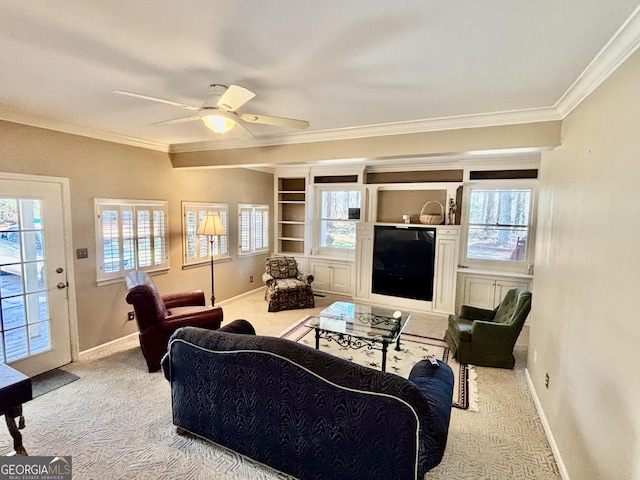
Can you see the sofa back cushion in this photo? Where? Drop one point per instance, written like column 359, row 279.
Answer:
column 281, row 267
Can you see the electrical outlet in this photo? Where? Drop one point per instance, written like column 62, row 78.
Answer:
column 251, row 279
column 546, row 380
column 82, row 253
column 131, row 315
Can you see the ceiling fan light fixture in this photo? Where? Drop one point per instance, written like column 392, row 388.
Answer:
column 219, row 122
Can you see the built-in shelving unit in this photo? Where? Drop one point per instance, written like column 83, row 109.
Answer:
column 291, row 215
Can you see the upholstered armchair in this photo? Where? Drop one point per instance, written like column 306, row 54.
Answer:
column 487, row 337
column 159, row 316
column 287, row 288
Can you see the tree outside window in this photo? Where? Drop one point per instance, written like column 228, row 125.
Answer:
column 499, row 224
column 336, row 229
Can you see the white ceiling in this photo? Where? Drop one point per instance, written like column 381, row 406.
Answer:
column 341, row 65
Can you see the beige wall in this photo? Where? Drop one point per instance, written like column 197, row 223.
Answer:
column 585, row 327
column 102, row 169
column 445, row 142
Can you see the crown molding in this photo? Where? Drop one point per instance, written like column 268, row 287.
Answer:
column 532, row 115
column 620, row 47
column 14, row 116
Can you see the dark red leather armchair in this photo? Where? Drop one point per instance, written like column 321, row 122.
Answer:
column 159, row 316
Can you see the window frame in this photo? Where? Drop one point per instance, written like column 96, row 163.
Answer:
column 220, row 243
column 135, row 207
column 318, row 219
column 253, row 210
column 521, row 267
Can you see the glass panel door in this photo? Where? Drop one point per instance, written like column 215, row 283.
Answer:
column 34, row 317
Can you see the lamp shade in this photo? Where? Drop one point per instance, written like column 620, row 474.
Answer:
column 211, row 225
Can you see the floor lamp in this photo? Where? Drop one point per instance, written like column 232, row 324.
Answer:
column 211, row 226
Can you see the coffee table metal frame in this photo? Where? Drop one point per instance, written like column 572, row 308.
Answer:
column 368, row 327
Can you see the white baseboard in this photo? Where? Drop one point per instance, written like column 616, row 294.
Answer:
column 547, row 428
column 240, row 296
column 90, row 351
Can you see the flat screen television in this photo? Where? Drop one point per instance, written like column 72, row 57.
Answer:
column 403, row 260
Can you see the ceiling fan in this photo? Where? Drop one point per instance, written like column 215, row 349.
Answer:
column 218, row 111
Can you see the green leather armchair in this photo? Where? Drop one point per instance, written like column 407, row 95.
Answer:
column 487, row 337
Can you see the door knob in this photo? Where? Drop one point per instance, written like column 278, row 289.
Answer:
column 61, row 285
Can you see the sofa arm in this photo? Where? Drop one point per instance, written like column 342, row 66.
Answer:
column 240, row 325
column 184, row 299
column 436, row 385
column 474, row 313
column 305, row 278
column 267, row 279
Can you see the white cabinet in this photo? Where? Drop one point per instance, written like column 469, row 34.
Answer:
column 331, row 276
column 364, row 260
column 487, row 291
column 446, row 259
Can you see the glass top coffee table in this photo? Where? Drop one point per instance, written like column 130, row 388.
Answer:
column 358, row 326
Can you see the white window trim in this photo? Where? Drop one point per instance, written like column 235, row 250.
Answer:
column 221, row 243
column 340, row 253
column 253, row 209
column 101, row 204
column 525, row 267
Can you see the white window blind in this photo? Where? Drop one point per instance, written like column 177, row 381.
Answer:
column 130, row 235
column 253, row 229
column 196, row 247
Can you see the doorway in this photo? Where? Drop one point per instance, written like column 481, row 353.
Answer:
column 36, row 304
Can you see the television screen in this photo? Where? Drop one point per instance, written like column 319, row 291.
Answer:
column 403, row 260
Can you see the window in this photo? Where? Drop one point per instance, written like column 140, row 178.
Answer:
column 499, row 226
column 336, row 229
column 196, row 247
column 253, row 228
column 131, row 235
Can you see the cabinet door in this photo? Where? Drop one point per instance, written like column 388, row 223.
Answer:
column 364, row 261
column 340, row 279
column 479, row 292
column 321, row 275
column 503, row 286
column 444, row 296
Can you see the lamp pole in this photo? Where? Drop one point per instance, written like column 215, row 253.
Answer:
column 213, row 297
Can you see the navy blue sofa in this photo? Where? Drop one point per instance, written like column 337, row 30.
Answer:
column 305, row 412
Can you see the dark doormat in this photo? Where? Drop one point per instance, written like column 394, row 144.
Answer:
column 49, row 381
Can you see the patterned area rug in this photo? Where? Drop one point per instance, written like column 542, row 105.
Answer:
column 413, row 349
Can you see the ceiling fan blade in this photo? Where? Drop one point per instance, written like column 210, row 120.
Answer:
column 177, row 120
column 159, row 100
column 276, row 121
column 234, row 98
column 240, row 132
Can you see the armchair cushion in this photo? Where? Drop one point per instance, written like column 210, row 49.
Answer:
column 487, row 337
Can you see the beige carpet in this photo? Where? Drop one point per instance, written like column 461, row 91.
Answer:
column 116, row 420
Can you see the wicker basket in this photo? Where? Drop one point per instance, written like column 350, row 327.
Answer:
column 431, row 218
